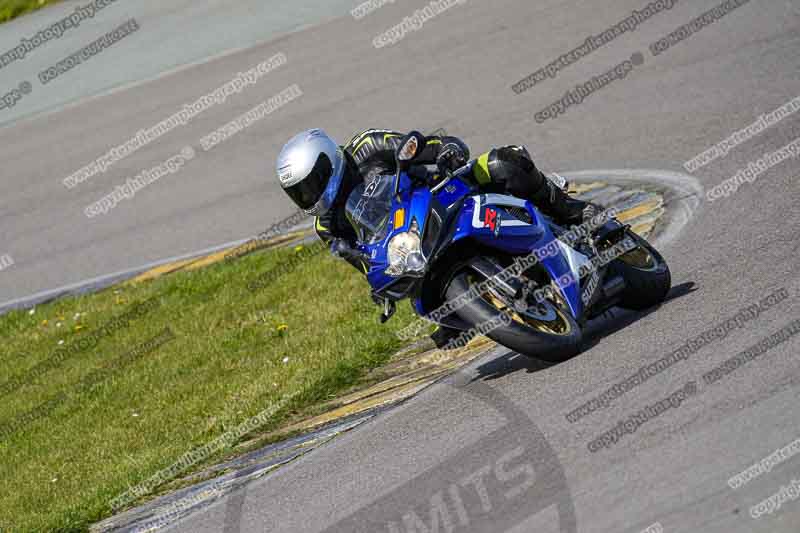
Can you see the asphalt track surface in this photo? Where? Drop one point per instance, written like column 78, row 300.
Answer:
column 177, row 34
column 489, row 449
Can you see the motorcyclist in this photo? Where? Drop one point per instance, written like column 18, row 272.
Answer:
column 318, row 175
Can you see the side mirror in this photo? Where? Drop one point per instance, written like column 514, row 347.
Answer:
column 409, row 149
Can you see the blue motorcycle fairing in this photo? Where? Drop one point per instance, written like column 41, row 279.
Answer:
column 486, row 218
column 453, row 191
column 416, row 204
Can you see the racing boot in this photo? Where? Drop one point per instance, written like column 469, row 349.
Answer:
column 513, row 168
column 554, row 202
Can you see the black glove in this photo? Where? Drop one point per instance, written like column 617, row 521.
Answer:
column 344, row 250
column 451, row 157
column 341, row 248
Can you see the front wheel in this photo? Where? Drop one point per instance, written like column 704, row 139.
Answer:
column 544, row 331
column 646, row 274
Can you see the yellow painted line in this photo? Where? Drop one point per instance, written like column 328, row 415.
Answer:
column 644, row 228
column 208, row 260
column 196, row 263
column 639, row 210
column 426, row 365
column 578, row 188
column 159, row 271
column 646, row 223
column 244, row 250
column 356, row 408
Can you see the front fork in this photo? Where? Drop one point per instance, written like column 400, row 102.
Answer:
column 389, row 308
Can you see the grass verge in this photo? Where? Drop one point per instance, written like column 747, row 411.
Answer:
column 88, row 409
column 11, row 9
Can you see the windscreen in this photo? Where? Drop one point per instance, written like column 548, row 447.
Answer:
column 369, row 207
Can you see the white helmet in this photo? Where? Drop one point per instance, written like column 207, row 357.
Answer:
column 310, row 169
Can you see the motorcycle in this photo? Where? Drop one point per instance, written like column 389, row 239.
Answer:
column 467, row 259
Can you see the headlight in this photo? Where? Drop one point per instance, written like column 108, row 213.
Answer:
column 405, row 253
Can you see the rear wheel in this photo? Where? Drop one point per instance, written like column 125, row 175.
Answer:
column 543, row 331
column 646, row 274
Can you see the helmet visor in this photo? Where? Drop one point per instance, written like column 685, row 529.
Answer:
column 308, row 191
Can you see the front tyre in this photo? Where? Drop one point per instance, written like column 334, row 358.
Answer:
column 646, row 274
column 544, row 331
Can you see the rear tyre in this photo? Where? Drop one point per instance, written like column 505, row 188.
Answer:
column 646, row 274
column 545, row 331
